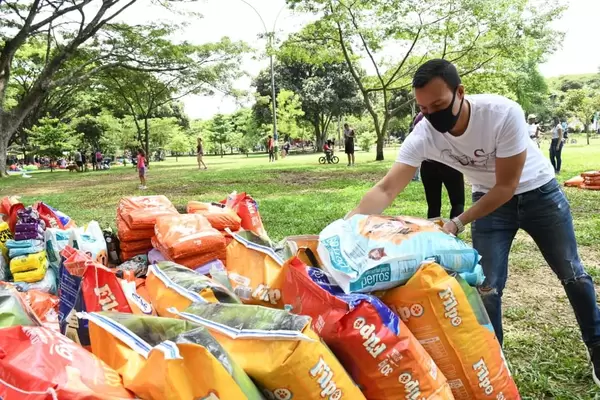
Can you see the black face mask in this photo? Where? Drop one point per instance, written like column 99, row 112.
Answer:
column 444, row 120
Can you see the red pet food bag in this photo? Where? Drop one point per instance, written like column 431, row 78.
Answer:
column 247, row 209
column 371, row 342
column 37, row 363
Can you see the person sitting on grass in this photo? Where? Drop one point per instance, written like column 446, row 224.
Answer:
column 141, row 167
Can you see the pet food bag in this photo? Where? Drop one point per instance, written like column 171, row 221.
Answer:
column 90, row 240
column 190, row 235
column 56, row 240
column 375, row 346
column 49, row 284
column 305, row 247
column 171, row 285
column 254, row 272
column 367, row 253
column 5, row 274
column 24, row 247
column 86, row 286
column 247, row 209
column 141, row 246
column 52, row 217
column 449, row 319
column 140, row 212
column 126, row 234
column 14, row 310
column 218, row 215
column 38, row 363
column 171, row 359
column 138, row 304
column 45, row 307
column 278, row 350
column 5, row 235
column 30, row 268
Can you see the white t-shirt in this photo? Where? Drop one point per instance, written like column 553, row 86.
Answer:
column 532, row 129
column 557, row 131
column 496, row 128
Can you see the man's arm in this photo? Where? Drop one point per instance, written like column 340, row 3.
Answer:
column 508, row 175
column 385, row 191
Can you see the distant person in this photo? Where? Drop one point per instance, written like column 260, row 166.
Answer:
column 565, row 127
column 556, row 145
column 271, row 148
column 141, row 167
column 93, row 160
column 534, row 129
column 98, row 158
column 200, row 154
column 286, row 148
column 328, row 150
column 79, row 161
column 84, row 161
column 349, row 138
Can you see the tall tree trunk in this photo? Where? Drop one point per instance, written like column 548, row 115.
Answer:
column 3, row 151
column 381, row 133
column 319, row 135
column 147, row 140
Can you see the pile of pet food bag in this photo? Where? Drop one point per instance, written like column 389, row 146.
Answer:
column 586, row 180
column 203, row 305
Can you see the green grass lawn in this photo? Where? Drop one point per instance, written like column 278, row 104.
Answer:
column 298, row 196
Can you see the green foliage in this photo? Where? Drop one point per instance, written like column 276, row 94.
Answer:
column 366, row 140
column 481, row 35
column 53, row 137
column 326, row 90
column 289, row 111
column 179, row 144
column 220, row 130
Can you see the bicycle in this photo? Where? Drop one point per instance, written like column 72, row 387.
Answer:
column 332, row 160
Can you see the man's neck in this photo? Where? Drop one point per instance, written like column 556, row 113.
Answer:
column 463, row 120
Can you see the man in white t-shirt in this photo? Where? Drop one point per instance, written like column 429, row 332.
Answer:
column 486, row 138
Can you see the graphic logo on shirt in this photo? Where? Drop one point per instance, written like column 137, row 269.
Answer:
column 479, row 160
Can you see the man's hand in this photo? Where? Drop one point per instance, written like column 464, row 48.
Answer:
column 385, row 191
column 451, row 228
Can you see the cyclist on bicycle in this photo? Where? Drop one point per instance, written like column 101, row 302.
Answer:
column 328, row 149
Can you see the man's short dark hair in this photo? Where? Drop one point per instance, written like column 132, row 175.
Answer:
column 437, row 68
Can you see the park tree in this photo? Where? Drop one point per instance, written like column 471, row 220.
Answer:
column 581, row 104
column 197, row 69
column 179, row 144
column 51, row 137
column 221, row 128
column 289, row 111
column 70, row 28
column 475, row 35
column 326, row 90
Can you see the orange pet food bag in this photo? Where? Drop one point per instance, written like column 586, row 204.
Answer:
column 448, row 318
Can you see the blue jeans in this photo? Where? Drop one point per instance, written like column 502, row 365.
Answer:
column 545, row 214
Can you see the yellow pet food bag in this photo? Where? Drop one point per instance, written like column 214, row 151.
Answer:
column 5, row 235
column 170, row 359
column 278, row 350
column 29, row 263
column 254, row 272
column 172, row 285
column 447, row 316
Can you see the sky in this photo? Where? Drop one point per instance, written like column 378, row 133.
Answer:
column 578, row 54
